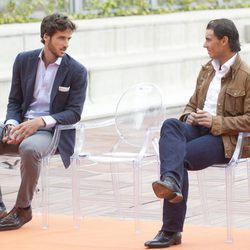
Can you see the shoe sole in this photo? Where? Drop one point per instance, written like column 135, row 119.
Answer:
column 177, row 242
column 164, row 192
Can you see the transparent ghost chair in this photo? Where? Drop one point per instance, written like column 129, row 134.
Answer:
column 52, row 150
column 139, row 113
column 242, row 144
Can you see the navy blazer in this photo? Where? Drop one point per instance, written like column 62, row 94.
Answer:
column 65, row 107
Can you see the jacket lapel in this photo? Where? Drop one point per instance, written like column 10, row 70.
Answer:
column 33, row 64
column 60, row 76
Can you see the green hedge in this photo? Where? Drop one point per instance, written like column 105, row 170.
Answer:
column 18, row 11
column 21, row 11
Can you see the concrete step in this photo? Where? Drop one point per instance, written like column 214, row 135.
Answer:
column 174, row 71
column 123, row 35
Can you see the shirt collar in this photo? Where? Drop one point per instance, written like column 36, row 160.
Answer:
column 58, row 60
column 225, row 67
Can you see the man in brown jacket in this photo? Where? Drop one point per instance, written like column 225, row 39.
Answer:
column 207, row 131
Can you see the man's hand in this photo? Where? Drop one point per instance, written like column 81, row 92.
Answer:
column 24, row 130
column 204, row 118
column 6, row 132
column 191, row 119
column 201, row 117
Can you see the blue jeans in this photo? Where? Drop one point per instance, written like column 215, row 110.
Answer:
column 184, row 147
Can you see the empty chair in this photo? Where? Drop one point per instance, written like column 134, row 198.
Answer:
column 139, row 113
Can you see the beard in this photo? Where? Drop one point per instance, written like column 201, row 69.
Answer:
column 54, row 52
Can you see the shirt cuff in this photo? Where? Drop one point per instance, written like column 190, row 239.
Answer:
column 49, row 121
column 12, row 122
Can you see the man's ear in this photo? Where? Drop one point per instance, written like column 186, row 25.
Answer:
column 46, row 37
column 224, row 40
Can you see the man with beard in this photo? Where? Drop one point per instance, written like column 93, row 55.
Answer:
column 207, row 131
column 48, row 88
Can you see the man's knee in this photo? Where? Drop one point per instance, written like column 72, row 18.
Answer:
column 170, row 123
column 30, row 161
column 27, row 151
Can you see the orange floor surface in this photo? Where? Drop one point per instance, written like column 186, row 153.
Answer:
column 111, row 234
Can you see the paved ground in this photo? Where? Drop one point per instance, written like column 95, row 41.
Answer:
column 97, row 196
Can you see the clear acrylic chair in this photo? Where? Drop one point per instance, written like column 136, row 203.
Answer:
column 138, row 115
column 52, row 150
column 242, row 142
column 44, row 178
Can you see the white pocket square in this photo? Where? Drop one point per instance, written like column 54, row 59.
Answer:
column 63, row 89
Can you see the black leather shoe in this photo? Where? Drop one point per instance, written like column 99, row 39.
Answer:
column 3, row 211
column 16, row 218
column 167, row 188
column 163, row 239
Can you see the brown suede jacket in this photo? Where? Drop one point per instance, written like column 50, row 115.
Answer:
column 233, row 105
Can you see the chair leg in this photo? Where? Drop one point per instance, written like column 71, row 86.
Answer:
column 116, row 187
column 45, row 193
column 137, row 195
column 248, row 176
column 203, row 196
column 36, row 200
column 161, row 201
column 75, row 163
column 229, row 194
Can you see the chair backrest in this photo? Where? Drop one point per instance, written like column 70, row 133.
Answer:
column 139, row 108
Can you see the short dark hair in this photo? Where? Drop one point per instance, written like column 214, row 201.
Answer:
column 55, row 22
column 225, row 27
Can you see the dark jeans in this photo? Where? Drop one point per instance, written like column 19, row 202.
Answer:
column 184, row 147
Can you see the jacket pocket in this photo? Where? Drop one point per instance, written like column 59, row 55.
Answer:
column 234, row 101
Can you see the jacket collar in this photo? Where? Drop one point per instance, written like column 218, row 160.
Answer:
column 235, row 66
column 233, row 69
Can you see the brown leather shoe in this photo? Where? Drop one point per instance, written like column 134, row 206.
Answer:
column 3, row 211
column 167, row 188
column 16, row 218
column 164, row 239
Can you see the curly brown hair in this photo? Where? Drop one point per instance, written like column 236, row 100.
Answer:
column 55, row 22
